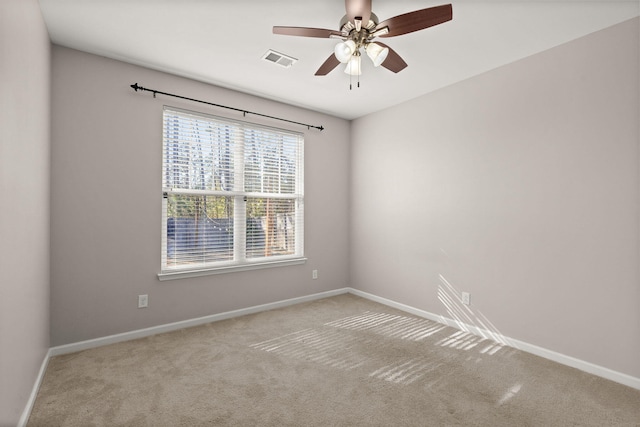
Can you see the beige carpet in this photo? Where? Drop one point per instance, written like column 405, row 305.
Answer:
column 340, row 361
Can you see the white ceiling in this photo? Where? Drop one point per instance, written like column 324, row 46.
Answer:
column 222, row 42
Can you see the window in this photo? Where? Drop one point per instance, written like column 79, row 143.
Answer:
column 233, row 195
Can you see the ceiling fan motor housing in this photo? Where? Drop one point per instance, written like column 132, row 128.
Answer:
column 360, row 36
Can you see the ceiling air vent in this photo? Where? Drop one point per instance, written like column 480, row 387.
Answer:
column 279, row 58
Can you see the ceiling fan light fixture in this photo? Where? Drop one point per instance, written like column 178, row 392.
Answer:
column 377, row 53
column 353, row 66
column 345, row 50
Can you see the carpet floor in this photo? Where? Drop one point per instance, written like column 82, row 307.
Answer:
column 339, row 361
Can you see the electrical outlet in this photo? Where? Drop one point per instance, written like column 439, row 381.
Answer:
column 466, row 298
column 143, row 301
column 314, row 274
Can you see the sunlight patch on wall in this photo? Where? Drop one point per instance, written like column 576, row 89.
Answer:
column 466, row 318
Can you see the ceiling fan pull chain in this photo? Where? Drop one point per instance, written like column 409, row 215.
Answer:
column 351, row 82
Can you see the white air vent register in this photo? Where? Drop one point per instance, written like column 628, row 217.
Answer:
column 279, row 58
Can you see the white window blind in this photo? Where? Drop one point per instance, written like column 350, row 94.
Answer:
column 233, row 194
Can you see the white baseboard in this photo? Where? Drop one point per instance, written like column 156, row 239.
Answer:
column 34, row 392
column 141, row 333
column 563, row 359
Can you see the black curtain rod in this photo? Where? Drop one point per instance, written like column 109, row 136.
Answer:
column 136, row 87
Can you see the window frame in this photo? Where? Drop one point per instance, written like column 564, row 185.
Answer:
column 239, row 194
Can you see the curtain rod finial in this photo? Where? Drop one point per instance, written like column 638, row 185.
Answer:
column 135, row 87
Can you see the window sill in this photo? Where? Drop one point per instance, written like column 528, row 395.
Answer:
column 185, row 274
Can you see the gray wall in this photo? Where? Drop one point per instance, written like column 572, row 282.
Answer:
column 24, row 202
column 519, row 186
column 106, row 202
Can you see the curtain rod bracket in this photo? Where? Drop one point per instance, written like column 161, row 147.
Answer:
column 137, row 87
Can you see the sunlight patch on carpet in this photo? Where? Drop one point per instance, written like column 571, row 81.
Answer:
column 327, row 347
column 510, row 394
column 461, row 340
column 390, row 325
column 405, row 372
column 347, row 344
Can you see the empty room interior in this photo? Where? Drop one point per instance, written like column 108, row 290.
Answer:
column 478, row 174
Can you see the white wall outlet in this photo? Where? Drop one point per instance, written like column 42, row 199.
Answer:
column 314, row 274
column 143, row 301
column 466, row 298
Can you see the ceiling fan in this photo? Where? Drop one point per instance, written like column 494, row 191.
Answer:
column 358, row 29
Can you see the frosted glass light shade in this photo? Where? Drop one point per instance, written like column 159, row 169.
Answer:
column 344, row 50
column 377, row 53
column 353, row 66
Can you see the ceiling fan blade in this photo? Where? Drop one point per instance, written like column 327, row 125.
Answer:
column 306, row 32
column 393, row 62
column 358, row 8
column 417, row 20
column 328, row 66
